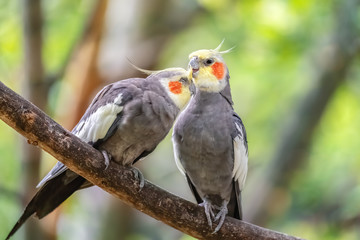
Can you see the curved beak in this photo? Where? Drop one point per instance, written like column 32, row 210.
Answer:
column 194, row 64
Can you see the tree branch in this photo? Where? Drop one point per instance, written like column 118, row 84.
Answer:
column 42, row 131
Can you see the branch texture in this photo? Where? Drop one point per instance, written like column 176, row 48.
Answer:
column 187, row 217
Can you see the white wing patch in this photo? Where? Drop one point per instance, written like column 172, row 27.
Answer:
column 92, row 129
column 240, row 159
column 98, row 123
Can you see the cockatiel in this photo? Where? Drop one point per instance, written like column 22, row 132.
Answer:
column 209, row 140
column 125, row 121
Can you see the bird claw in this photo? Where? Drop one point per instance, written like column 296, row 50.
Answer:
column 208, row 211
column 221, row 215
column 138, row 176
column 223, row 211
column 107, row 158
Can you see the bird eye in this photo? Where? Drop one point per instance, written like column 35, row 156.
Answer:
column 209, row 61
column 183, row 80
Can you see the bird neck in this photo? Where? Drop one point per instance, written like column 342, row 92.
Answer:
column 180, row 100
column 204, row 98
column 225, row 93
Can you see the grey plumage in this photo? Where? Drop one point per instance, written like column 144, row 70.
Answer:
column 210, row 143
column 126, row 120
column 203, row 138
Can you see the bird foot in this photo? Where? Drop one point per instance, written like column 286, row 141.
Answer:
column 139, row 177
column 208, row 211
column 107, row 158
column 221, row 216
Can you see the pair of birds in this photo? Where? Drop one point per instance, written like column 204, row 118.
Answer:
column 127, row 119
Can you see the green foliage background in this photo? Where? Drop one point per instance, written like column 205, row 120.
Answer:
column 271, row 67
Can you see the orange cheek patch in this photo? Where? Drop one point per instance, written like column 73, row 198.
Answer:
column 218, row 70
column 175, row 87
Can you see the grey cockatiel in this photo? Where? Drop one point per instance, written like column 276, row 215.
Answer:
column 126, row 121
column 209, row 140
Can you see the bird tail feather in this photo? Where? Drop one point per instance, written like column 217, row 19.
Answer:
column 49, row 197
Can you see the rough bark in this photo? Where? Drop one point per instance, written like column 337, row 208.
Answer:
column 332, row 65
column 42, row 131
column 152, row 27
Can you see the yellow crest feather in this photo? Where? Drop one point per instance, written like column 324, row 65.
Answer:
column 148, row 72
column 217, row 49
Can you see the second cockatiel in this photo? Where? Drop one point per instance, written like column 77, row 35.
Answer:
column 126, row 121
column 209, row 140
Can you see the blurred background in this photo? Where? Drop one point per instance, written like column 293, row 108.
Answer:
column 295, row 78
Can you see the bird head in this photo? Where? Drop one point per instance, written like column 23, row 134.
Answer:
column 176, row 83
column 208, row 70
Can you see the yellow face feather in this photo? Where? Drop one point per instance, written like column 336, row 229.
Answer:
column 208, row 70
column 177, row 86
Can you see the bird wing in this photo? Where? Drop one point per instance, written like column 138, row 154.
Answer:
column 240, row 162
column 182, row 170
column 193, row 190
column 99, row 122
column 54, row 172
column 240, row 152
column 100, row 119
column 177, row 155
